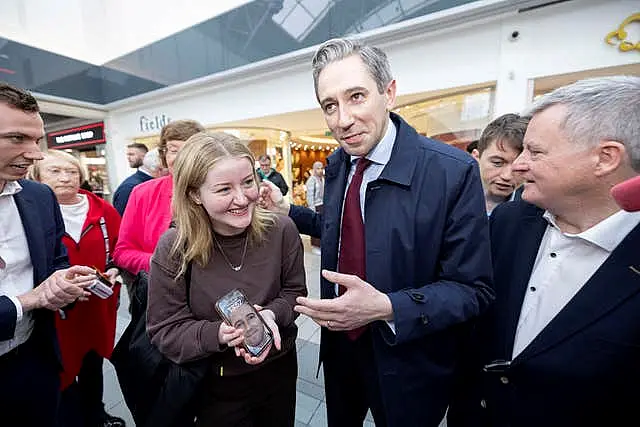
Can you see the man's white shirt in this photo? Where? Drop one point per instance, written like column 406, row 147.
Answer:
column 565, row 262
column 17, row 276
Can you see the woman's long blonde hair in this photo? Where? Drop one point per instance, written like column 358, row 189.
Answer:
column 194, row 241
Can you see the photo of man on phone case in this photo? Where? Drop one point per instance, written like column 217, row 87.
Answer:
column 255, row 335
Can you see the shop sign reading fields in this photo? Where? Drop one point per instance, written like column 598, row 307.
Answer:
column 77, row 137
column 153, row 123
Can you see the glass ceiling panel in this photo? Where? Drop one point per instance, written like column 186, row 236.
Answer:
column 253, row 32
column 302, row 17
column 316, row 7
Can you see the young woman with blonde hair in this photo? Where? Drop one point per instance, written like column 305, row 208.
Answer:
column 229, row 243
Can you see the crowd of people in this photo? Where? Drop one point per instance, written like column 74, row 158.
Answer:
column 499, row 287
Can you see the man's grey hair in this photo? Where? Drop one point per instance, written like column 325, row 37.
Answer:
column 601, row 108
column 151, row 161
column 338, row 49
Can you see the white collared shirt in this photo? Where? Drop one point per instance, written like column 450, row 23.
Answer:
column 565, row 262
column 379, row 157
column 17, row 276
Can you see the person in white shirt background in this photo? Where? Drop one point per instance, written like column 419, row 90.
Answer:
column 315, row 194
column 561, row 345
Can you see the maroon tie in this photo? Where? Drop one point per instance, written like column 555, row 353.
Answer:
column 351, row 259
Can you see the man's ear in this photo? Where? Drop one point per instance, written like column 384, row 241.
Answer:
column 611, row 155
column 390, row 94
column 475, row 154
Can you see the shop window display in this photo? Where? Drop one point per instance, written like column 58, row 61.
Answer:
column 455, row 119
column 93, row 160
column 304, row 154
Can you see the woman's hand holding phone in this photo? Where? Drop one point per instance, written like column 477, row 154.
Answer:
column 112, row 274
column 230, row 336
column 234, row 337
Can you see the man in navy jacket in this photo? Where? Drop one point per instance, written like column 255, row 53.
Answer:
column 560, row 347
column 34, row 281
column 149, row 168
column 428, row 268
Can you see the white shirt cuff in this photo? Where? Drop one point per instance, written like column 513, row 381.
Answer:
column 16, row 302
column 392, row 326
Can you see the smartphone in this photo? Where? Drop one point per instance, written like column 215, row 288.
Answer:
column 101, row 287
column 238, row 312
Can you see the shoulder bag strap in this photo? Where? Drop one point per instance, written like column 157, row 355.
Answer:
column 105, row 236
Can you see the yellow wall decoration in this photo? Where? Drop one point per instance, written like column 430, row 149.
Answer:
column 618, row 37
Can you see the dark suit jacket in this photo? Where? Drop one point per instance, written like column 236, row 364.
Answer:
column 44, row 228
column 121, row 196
column 427, row 248
column 581, row 370
column 275, row 177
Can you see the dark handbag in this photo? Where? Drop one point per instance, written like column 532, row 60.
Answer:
column 158, row 392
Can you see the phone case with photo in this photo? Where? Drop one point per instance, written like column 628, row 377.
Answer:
column 238, row 312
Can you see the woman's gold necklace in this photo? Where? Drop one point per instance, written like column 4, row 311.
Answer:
column 244, row 252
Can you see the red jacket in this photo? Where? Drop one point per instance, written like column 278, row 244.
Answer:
column 89, row 325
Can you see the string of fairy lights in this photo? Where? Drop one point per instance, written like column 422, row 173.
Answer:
column 300, row 146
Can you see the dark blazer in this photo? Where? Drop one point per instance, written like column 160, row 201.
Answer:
column 427, row 248
column 44, row 228
column 581, row 369
column 275, row 177
column 121, row 196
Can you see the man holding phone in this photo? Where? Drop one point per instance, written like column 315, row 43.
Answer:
column 34, row 278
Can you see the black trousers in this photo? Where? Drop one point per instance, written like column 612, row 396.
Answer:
column 81, row 404
column 351, row 381
column 265, row 397
column 315, row 241
column 30, row 387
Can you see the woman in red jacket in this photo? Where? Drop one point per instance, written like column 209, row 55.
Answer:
column 86, row 332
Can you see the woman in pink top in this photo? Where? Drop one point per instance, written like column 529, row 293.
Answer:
column 148, row 212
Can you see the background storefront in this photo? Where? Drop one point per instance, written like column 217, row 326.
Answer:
column 455, row 72
column 276, row 143
column 87, row 143
column 456, row 118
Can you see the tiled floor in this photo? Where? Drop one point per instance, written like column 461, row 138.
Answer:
column 310, row 403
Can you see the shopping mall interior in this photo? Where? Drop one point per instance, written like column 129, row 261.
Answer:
column 109, row 73
column 458, row 64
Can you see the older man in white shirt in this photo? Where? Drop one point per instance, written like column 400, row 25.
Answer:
column 34, row 281
column 562, row 343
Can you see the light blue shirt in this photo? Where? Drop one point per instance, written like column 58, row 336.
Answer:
column 379, row 157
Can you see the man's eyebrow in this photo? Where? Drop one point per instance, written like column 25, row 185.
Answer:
column 357, row 89
column 13, row 133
